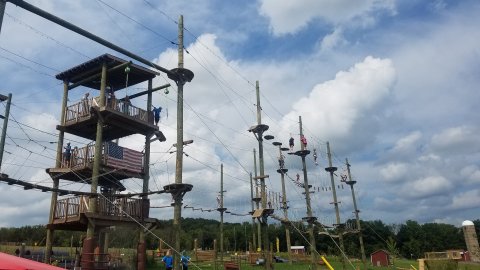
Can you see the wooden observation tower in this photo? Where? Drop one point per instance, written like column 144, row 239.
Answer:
column 103, row 164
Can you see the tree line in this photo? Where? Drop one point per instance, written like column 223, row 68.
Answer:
column 409, row 240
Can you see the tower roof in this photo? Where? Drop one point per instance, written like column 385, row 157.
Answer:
column 117, row 79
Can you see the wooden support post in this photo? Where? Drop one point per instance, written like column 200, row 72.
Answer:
column 89, row 241
column 56, row 182
column 264, row 223
column 350, row 182
column 311, row 233
column 221, row 213
column 177, row 208
column 340, row 230
column 254, row 247
column 195, row 249
column 259, row 227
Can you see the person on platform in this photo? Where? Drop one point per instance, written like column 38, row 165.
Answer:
column 67, row 154
column 86, row 107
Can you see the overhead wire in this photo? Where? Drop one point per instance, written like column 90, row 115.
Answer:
column 45, row 35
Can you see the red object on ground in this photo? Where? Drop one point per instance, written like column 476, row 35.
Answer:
column 10, row 262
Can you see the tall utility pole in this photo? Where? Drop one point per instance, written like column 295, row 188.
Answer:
column 257, row 200
column 264, row 212
column 309, row 218
column 221, row 209
column 282, row 171
column 350, row 182
column 5, row 122
column 338, row 225
column 179, row 189
column 177, row 210
column 254, row 241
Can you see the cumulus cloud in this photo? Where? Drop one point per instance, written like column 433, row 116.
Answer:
column 394, row 171
column 427, row 186
column 333, row 40
column 457, row 140
column 290, row 16
column 346, row 99
column 470, row 174
column 466, row 200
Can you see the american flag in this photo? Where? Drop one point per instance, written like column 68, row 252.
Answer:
column 124, row 158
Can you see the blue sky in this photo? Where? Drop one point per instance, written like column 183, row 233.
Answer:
column 392, row 85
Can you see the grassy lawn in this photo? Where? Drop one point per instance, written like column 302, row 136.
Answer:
column 399, row 265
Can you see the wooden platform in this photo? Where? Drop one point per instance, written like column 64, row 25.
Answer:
column 120, row 120
column 72, row 213
column 109, row 177
column 116, row 163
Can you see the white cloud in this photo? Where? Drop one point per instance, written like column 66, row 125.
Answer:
column 346, row 99
column 470, row 174
column 290, row 16
column 333, row 40
column 394, row 171
column 408, row 143
column 466, row 200
column 459, row 140
column 427, row 186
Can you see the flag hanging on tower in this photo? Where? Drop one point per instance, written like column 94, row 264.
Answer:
column 123, row 158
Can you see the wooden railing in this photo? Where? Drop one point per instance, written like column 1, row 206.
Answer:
column 71, row 208
column 81, row 109
column 81, row 158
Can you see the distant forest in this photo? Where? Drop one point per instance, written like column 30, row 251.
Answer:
column 409, row 240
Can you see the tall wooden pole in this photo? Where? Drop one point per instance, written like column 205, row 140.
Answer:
column 254, row 241
column 56, row 182
column 310, row 218
column 350, row 182
column 141, row 248
column 89, row 241
column 338, row 225
column 282, row 172
column 257, row 195
column 221, row 213
column 264, row 218
column 177, row 212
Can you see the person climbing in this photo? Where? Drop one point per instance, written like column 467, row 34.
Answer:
column 303, row 140
column 156, row 114
column 291, row 143
column 281, row 162
column 315, row 156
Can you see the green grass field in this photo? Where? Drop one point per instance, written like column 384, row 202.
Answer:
column 399, row 265
column 155, row 264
